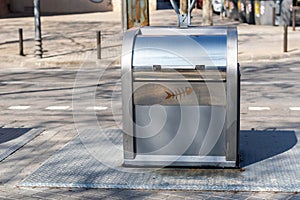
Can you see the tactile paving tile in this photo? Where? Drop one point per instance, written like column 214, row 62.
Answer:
column 270, row 163
column 12, row 139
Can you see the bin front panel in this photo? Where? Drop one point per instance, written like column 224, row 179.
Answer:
column 184, row 130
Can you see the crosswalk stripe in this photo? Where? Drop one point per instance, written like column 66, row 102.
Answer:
column 57, row 107
column 97, row 108
column 295, row 108
column 18, row 107
column 258, row 108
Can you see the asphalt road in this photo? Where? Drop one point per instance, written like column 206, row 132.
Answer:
column 270, row 95
column 61, row 100
column 46, row 97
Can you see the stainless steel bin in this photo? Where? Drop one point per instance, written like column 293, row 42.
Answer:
column 180, row 97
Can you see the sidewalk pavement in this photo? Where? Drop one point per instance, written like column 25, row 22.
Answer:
column 69, row 40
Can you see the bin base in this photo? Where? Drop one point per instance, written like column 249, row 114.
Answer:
column 179, row 161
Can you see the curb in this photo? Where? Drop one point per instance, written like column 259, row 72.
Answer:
column 78, row 63
column 31, row 62
column 269, row 57
column 60, row 63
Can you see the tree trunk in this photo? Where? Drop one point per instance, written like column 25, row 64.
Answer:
column 207, row 13
column 3, row 8
column 183, row 6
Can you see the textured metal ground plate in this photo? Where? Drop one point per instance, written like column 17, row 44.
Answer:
column 12, row 139
column 270, row 161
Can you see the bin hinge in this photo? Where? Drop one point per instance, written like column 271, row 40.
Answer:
column 156, row 67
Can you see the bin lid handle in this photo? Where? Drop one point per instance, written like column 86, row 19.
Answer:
column 196, row 67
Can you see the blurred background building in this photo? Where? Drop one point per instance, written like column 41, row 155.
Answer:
column 68, row 6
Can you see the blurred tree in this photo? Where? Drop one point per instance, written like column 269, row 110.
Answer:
column 207, row 13
column 183, row 6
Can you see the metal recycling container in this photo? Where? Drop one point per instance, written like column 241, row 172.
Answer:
column 283, row 12
column 277, row 11
column 266, row 12
column 180, row 97
column 257, row 12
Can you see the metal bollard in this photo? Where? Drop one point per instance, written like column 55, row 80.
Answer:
column 21, row 49
column 273, row 15
column 294, row 19
column 38, row 33
column 98, row 44
column 285, row 38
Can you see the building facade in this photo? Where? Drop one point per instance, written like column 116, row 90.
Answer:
column 60, row 6
column 64, row 6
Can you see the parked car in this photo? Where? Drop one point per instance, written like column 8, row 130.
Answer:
column 199, row 4
column 217, row 5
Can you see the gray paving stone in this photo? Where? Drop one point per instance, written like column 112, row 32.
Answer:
column 46, row 195
column 154, row 198
column 262, row 195
column 242, row 195
column 133, row 194
column 199, row 195
column 281, row 196
column 158, row 195
column 223, row 195
column 215, row 197
column 175, row 198
column 296, row 196
column 6, row 198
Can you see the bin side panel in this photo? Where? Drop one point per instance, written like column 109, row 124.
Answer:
column 232, row 130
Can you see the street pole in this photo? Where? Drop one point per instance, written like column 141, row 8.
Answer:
column 38, row 33
column 124, row 15
column 273, row 15
column 98, row 35
column 21, row 47
column 285, row 38
column 294, row 19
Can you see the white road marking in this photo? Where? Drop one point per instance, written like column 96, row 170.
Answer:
column 96, row 108
column 12, row 82
column 58, row 108
column 33, row 83
column 259, row 108
column 295, row 108
column 18, row 107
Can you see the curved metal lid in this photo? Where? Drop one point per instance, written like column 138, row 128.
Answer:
column 184, row 51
